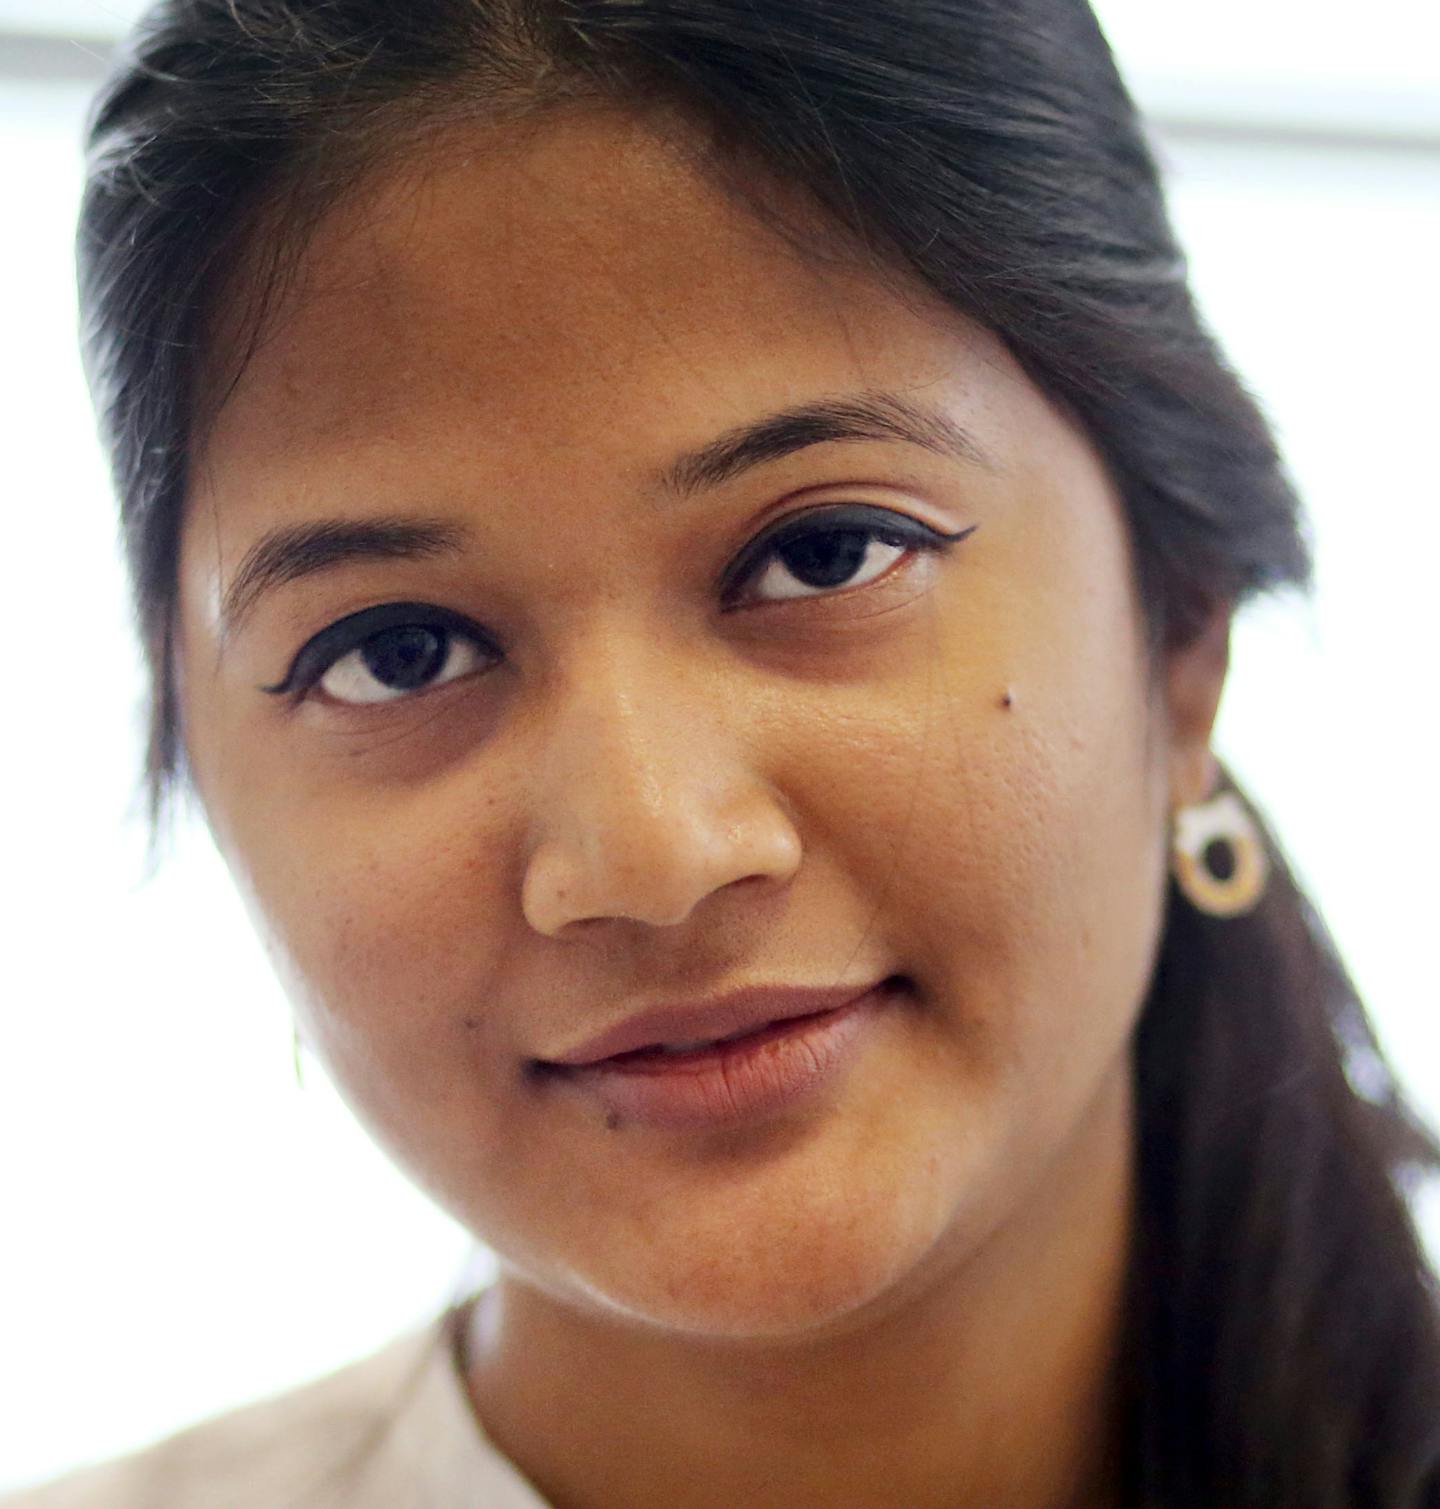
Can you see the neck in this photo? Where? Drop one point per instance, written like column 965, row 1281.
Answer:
column 993, row 1381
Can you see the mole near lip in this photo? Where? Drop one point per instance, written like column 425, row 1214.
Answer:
column 708, row 1022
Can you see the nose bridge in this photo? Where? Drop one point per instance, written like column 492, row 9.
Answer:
column 625, row 732
column 646, row 797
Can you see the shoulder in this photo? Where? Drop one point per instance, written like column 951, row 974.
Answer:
column 304, row 1447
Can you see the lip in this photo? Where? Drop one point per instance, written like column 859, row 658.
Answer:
column 724, row 1016
column 775, row 1067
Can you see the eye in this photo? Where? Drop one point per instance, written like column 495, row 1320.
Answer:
column 386, row 653
column 826, row 550
column 396, row 662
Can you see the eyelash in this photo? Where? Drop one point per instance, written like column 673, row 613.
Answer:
column 881, row 524
column 319, row 655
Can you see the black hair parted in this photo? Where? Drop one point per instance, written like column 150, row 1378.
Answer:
column 1284, row 1341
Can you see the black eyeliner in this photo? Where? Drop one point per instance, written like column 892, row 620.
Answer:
column 884, row 524
column 332, row 643
column 337, row 640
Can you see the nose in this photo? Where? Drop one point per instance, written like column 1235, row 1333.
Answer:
column 645, row 799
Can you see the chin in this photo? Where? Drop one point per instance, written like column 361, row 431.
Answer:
column 787, row 1281
column 745, row 1311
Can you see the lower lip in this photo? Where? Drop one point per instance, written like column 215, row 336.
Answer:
column 768, row 1071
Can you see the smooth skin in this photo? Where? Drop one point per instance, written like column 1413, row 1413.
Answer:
column 906, row 1290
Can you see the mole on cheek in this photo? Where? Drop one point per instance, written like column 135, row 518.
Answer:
column 1007, row 700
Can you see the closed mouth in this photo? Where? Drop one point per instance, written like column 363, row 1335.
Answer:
column 675, row 1032
column 680, row 1051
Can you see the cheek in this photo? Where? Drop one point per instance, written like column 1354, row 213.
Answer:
column 389, row 950
column 385, row 917
column 1032, row 879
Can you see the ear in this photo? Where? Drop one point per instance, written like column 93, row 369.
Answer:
column 1194, row 681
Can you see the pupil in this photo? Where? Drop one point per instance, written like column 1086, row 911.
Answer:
column 405, row 658
column 826, row 557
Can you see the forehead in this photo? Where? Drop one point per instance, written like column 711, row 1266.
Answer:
column 579, row 286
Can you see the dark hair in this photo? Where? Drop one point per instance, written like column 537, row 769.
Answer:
column 1284, row 1335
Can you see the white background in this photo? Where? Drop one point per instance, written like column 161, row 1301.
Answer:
column 187, row 1229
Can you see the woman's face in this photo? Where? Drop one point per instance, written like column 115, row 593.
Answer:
column 622, row 752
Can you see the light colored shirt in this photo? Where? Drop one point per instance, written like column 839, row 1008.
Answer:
column 394, row 1431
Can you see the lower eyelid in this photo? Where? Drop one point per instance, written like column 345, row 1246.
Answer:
column 884, row 526
column 323, row 651
column 479, row 654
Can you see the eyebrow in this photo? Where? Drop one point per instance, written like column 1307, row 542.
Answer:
column 298, row 550
column 294, row 551
column 862, row 416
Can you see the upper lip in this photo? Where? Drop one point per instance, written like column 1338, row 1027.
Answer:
column 722, row 1016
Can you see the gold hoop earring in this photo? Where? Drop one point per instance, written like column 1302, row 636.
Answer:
column 1223, row 821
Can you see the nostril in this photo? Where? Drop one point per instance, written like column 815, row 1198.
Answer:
column 653, row 853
